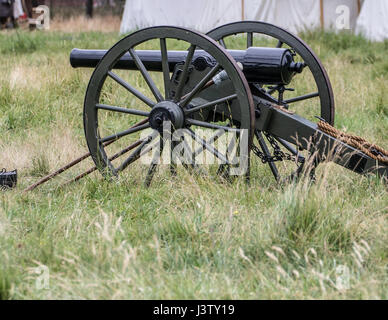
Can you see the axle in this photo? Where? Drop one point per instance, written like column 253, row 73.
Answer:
column 260, row 65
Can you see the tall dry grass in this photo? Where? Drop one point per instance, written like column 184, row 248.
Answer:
column 108, row 23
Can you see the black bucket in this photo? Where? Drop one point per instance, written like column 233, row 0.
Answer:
column 8, row 179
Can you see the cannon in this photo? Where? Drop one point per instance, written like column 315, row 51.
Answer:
column 267, row 96
column 259, row 65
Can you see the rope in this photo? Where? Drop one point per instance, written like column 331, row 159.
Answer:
column 279, row 107
column 370, row 149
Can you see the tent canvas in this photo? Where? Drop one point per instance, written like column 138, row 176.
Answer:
column 301, row 15
column 201, row 15
column 373, row 20
column 292, row 15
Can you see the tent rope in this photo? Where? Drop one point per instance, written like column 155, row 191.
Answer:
column 370, row 149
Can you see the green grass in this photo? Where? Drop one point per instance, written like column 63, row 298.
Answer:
column 187, row 237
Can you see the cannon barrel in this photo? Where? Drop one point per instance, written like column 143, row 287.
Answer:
column 260, row 65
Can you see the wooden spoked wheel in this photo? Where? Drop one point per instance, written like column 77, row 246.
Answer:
column 309, row 94
column 129, row 109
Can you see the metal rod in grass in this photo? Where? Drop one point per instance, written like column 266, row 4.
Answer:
column 73, row 163
column 115, row 156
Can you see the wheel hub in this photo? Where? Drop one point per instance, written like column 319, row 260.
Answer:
column 166, row 111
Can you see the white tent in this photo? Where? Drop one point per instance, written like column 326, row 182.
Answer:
column 200, row 15
column 373, row 20
column 293, row 15
column 299, row 15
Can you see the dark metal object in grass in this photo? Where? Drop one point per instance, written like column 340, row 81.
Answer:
column 8, row 179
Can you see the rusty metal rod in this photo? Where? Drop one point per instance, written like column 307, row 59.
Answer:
column 115, row 156
column 73, row 163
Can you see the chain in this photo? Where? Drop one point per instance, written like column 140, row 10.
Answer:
column 279, row 154
column 265, row 158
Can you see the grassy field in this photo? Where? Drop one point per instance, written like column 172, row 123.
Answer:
column 187, row 237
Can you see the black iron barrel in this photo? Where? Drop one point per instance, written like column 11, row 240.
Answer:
column 260, row 65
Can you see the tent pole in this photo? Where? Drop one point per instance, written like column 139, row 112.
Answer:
column 242, row 10
column 322, row 15
column 358, row 7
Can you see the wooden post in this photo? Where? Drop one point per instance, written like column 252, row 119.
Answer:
column 50, row 4
column 322, row 14
column 358, row 6
column 242, row 10
column 89, row 8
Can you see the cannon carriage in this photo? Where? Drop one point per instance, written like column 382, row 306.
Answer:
column 259, row 93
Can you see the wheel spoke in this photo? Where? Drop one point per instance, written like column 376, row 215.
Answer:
column 266, row 151
column 223, row 169
column 188, row 97
column 185, row 73
column 131, row 89
column 122, row 110
column 304, row 97
column 151, row 84
column 165, row 67
column 188, row 161
column 211, row 104
column 222, row 43
column 114, row 157
column 124, row 151
column 210, row 125
column 124, row 133
column 153, row 166
column 173, row 169
column 205, row 145
column 249, row 39
column 135, row 154
column 279, row 44
column 212, row 139
column 184, row 150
